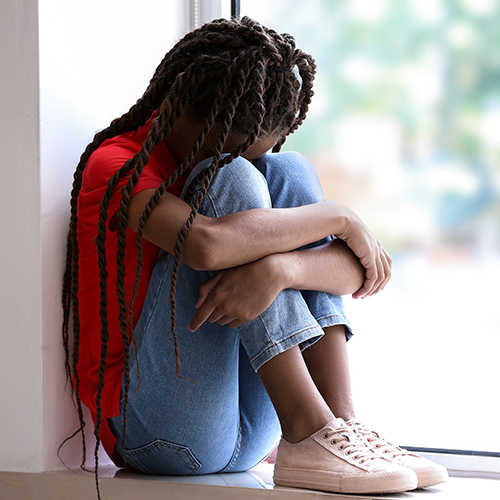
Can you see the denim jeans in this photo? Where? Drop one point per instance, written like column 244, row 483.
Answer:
column 221, row 420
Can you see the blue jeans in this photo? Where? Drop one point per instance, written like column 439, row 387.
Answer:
column 222, row 421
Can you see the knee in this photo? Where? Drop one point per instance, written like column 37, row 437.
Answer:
column 235, row 187
column 291, row 178
column 291, row 159
column 283, row 163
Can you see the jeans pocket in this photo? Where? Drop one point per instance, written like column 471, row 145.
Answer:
column 163, row 458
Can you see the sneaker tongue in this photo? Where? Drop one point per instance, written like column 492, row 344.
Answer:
column 336, row 423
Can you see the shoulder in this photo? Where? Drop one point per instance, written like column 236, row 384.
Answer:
column 107, row 159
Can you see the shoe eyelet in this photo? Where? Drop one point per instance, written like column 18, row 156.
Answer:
column 333, row 442
column 325, row 436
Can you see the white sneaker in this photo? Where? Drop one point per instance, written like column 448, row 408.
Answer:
column 338, row 459
column 428, row 473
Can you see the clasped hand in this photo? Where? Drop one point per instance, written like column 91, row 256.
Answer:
column 374, row 258
column 238, row 295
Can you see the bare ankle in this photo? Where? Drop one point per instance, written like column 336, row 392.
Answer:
column 301, row 408
column 298, row 427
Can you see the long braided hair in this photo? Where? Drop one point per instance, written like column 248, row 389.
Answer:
column 230, row 77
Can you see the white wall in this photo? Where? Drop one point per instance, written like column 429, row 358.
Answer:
column 96, row 59
column 92, row 60
column 20, row 259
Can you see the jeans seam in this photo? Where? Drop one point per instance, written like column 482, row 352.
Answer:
column 269, row 338
column 135, row 463
column 153, row 307
column 330, row 316
column 236, row 452
column 210, row 199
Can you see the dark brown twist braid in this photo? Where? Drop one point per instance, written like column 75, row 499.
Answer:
column 158, row 132
column 226, row 121
column 161, row 128
column 231, row 77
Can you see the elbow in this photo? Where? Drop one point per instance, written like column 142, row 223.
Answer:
column 200, row 251
column 200, row 260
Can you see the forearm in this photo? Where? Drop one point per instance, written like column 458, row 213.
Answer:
column 244, row 237
column 237, row 295
column 238, row 238
column 331, row 268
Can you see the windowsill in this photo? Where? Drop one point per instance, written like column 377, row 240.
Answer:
column 255, row 484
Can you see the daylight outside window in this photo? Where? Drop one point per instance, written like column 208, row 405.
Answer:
column 404, row 129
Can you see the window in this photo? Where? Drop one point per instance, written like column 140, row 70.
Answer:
column 404, row 128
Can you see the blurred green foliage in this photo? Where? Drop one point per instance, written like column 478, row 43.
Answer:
column 430, row 69
column 463, row 40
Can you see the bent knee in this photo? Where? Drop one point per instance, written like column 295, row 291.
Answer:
column 236, row 187
column 292, row 179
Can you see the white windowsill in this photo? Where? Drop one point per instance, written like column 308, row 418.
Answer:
column 255, row 484
column 472, row 466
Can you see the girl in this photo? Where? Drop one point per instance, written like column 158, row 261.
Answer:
column 194, row 361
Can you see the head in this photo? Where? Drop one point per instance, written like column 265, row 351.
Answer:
column 238, row 76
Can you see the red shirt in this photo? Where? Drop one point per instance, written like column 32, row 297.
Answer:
column 101, row 166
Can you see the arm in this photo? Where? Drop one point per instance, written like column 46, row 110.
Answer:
column 335, row 269
column 243, row 237
column 236, row 296
column 331, row 268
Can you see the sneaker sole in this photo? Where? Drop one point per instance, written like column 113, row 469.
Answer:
column 431, row 478
column 388, row 482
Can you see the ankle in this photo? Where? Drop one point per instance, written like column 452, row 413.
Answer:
column 298, row 428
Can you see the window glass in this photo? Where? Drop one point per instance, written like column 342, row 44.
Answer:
column 405, row 129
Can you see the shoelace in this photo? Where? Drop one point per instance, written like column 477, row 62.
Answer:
column 351, row 443
column 379, row 444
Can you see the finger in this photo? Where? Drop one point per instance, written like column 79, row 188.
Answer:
column 388, row 269
column 224, row 320
column 203, row 313
column 236, row 323
column 207, row 287
column 378, row 286
column 216, row 316
column 386, row 260
column 370, row 279
column 380, row 277
column 384, row 273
